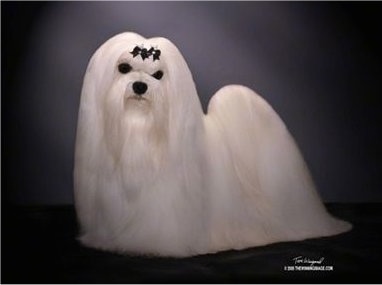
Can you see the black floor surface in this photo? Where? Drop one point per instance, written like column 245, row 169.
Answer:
column 39, row 246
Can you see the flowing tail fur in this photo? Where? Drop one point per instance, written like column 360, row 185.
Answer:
column 276, row 199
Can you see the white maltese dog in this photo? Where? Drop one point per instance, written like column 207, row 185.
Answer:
column 154, row 175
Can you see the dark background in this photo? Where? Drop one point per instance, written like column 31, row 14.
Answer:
column 318, row 64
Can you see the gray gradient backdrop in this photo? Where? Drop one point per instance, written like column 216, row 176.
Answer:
column 317, row 64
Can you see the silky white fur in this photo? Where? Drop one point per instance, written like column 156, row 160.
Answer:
column 157, row 176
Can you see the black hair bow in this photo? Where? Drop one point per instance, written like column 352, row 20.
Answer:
column 146, row 53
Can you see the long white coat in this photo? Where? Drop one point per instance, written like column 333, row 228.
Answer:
column 154, row 175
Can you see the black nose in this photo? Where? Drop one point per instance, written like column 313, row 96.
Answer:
column 139, row 87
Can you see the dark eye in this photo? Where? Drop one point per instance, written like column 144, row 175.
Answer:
column 158, row 75
column 124, row 68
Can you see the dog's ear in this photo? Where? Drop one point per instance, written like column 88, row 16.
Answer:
column 185, row 108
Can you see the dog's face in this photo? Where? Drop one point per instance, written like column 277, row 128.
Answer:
column 139, row 82
column 138, row 91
